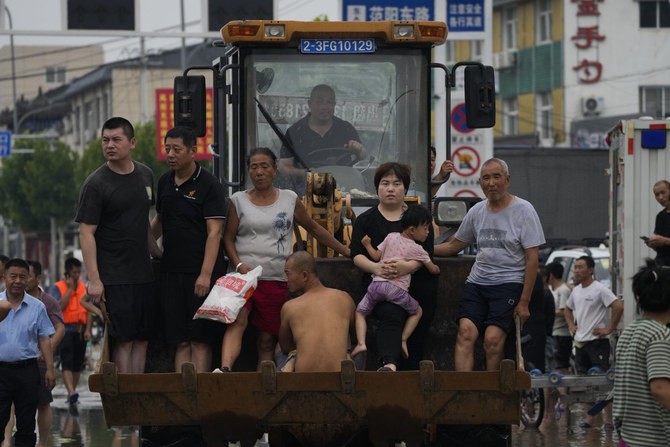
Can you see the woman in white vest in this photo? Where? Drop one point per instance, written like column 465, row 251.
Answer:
column 259, row 231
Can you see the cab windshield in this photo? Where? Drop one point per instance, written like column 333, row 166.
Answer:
column 340, row 113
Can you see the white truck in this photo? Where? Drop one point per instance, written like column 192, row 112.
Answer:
column 639, row 157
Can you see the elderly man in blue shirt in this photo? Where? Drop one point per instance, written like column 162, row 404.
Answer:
column 24, row 334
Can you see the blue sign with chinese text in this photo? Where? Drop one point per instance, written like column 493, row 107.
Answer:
column 379, row 10
column 5, row 143
column 465, row 15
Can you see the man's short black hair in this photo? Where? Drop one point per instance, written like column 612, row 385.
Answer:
column 4, row 259
column 119, row 123
column 186, row 134
column 414, row 216
column 556, row 269
column 590, row 263
column 71, row 263
column 37, row 267
column 16, row 262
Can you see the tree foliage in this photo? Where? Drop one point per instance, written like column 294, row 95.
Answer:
column 35, row 187
column 145, row 150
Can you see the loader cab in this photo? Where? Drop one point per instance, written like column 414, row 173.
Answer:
column 379, row 75
column 374, row 82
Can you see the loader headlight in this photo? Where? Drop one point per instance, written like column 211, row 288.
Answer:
column 275, row 31
column 403, row 31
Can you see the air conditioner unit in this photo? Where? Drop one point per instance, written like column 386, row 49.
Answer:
column 504, row 60
column 592, row 105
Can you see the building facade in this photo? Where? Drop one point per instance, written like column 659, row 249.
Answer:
column 39, row 69
column 125, row 88
column 567, row 71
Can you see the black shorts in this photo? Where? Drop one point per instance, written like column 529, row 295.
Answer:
column 563, row 351
column 132, row 311
column 73, row 350
column 489, row 305
column 179, row 305
column 595, row 353
column 45, row 396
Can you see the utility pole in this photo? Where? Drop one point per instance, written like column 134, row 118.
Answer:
column 183, row 40
column 11, row 45
column 143, row 81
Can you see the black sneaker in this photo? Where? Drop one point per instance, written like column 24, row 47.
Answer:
column 73, row 398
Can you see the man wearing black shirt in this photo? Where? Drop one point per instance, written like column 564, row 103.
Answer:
column 320, row 129
column 660, row 240
column 191, row 211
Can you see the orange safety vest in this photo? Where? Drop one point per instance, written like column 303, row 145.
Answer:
column 74, row 312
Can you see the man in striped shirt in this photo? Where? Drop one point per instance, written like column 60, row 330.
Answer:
column 642, row 382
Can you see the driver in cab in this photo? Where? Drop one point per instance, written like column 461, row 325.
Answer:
column 320, row 138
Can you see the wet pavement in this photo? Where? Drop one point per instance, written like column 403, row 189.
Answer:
column 557, row 433
column 84, row 425
column 93, row 431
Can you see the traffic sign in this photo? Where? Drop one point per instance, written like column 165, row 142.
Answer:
column 466, row 161
column 5, row 143
column 465, row 15
column 376, row 10
column 466, row 193
column 458, row 119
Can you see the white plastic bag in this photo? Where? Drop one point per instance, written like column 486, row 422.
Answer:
column 228, row 296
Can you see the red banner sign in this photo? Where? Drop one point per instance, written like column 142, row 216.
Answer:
column 165, row 122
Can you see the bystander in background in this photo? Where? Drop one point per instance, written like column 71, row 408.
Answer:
column 69, row 292
column 660, row 239
column 24, row 335
column 642, row 382
column 446, row 168
column 592, row 313
column 561, row 332
column 44, row 413
column 3, row 261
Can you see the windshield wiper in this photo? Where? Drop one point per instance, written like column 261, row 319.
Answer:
column 285, row 141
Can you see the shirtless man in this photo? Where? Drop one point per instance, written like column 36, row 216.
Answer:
column 318, row 323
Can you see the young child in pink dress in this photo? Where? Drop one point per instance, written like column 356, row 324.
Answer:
column 415, row 223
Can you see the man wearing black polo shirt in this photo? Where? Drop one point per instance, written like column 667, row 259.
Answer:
column 24, row 335
column 191, row 210
column 320, row 129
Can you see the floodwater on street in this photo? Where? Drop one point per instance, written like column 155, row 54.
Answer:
column 88, row 429
column 84, row 424
column 93, row 432
column 553, row 433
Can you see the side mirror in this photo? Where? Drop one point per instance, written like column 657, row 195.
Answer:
column 450, row 211
column 480, row 101
column 190, row 103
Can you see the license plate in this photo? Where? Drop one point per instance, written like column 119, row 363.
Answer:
column 333, row 46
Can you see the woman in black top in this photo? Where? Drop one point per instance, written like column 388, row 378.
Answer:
column 392, row 181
